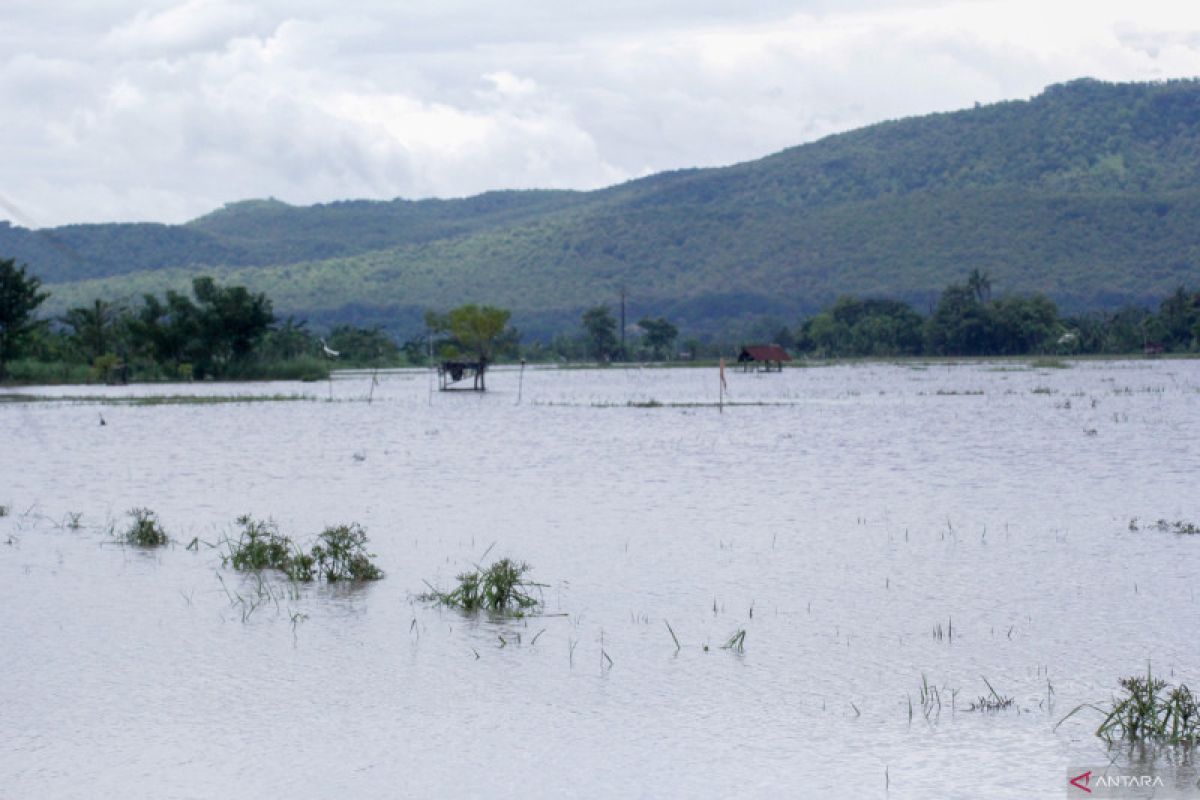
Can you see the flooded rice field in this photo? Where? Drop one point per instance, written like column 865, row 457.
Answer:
column 896, row 542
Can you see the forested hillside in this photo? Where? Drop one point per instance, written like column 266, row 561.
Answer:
column 1089, row 192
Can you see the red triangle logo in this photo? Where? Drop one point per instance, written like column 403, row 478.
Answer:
column 1082, row 781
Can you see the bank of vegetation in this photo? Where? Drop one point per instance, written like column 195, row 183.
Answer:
column 214, row 332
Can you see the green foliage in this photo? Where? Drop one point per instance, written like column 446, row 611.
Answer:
column 364, row 347
column 478, row 329
column 48, row 373
column 340, row 554
column 94, row 330
column 1151, row 710
column 963, row 324
column 500, row 588
column 659, row 336
column 19, row 298
column 1087, row 194
column 601, row 331
column 261, row 546
column 146, row 531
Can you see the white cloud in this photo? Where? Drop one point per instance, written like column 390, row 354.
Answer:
column 166, row 110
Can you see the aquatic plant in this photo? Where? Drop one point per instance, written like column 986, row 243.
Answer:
column 993, row 701
column 1178, row 526
column 1049, row 363
column 340, row 554
column 1150, row 710
column 736, row 642
column 146, row 530
column 3, row 511
column 261, row 546
column 500, row 588
column 931, row 700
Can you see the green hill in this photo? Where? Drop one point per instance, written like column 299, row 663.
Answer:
column 1089, row 192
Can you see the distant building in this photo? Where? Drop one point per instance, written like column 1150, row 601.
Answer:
column 769, row 356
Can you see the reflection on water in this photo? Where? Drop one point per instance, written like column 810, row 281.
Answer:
column 842, row 524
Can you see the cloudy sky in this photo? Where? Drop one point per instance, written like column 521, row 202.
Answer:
column 162, row 110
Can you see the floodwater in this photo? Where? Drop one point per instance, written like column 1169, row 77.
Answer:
column 870, row 527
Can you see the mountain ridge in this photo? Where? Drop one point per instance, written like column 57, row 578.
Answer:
column 1088, row 192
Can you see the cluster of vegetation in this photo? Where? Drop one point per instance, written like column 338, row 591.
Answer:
column 1087, row 194
column 339, row 554
column 216, row 332
column 967, row 321
column 1150, row 710
column 500, row 588
column 599, row 341
column 1178, row 526
column 146, row 530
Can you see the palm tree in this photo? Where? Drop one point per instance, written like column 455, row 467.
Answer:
column 980, row 284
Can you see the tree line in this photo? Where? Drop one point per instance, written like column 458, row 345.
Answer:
column 217, row 332
column 966, row 320
column 229, row 333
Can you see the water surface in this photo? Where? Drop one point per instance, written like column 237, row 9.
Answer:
column 838, row 515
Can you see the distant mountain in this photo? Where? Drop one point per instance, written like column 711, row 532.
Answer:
column 1089, row 192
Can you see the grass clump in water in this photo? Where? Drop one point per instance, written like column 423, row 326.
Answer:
column 1178, row 526
column 993, row 701
column 1151, row 710
column 500, row 588
column 261, row 546
column 1049, row 363
column 340, row 554
column 146, row 530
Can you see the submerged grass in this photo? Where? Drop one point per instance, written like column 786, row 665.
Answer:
column 1151, row 710
column 992, row 702
column 146, row 530
column 1178, row 526
column 500, row 588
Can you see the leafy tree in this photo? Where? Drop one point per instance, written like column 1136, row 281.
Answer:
column 1022, row 324
column 601, row 331
column 1180, row 318
column 979, row 283
column 416, row 349
column 94, row 328
column 165, row 332
column 230, row 322
column 958, row 325
column 365, row 346
column 659, row 335
column 19, row 298
column 480, row 332
column 287, row 341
